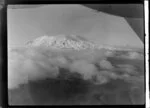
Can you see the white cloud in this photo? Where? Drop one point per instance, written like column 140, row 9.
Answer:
column 35, row 63
column 133, row 55
column 105, row 64
column 127, row 68
column 86, row 69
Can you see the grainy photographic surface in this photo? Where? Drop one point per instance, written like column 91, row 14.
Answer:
column 73, row 55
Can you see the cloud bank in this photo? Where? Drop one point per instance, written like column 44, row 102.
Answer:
column 29, row 64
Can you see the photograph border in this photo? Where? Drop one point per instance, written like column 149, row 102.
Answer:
column 3, row 36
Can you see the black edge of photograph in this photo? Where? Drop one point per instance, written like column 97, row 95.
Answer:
column 57, row 53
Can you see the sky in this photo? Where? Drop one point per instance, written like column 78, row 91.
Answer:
column 102, row 28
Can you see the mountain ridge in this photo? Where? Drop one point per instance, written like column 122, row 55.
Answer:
column 62, row 41
column 75, row 42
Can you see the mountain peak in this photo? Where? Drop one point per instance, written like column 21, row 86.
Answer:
column 75, row 42
column 62, row 41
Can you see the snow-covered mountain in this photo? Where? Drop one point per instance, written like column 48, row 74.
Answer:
column 75, row 42
column 63, row 42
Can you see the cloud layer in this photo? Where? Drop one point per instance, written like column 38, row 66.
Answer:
column 26, row 64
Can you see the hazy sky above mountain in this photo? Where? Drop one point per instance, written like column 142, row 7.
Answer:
column 29, row 23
